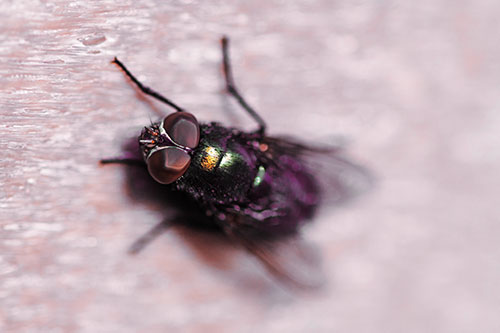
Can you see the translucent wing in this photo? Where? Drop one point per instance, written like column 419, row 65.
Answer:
column 288, row 258
column 298, row 177
column 339, row 178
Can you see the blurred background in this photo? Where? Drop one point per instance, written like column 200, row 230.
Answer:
column 412, row 88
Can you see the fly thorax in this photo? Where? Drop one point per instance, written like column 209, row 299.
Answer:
column 226, row 171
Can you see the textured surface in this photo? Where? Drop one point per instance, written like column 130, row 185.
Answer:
column 413, row 87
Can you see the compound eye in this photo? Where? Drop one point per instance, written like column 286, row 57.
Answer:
column 182, row 127
column 168, row 164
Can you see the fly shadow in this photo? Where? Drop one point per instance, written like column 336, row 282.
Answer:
column 183, row 217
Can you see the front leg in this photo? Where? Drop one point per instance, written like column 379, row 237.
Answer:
column 123, row 160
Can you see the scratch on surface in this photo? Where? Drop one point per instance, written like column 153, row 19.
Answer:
column 6, row 268
column 93, row 39
column 35, row 228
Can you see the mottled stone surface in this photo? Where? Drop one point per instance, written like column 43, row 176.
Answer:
column 414, row 87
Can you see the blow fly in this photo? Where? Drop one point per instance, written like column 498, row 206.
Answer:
column 259, row 190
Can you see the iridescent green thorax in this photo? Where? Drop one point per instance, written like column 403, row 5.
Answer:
column 224, row 163
column 213, row 157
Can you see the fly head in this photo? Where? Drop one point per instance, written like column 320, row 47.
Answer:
column 167, row 146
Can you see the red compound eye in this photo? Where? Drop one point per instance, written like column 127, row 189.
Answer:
column 183, row 129
column 168, row 164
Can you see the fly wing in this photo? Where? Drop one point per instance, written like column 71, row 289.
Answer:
column 297, row 178
column 289, row 258
column 340, row 179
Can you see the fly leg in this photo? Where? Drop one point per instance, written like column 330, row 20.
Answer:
column 123, row 160
column 231, row 87
column 148, row 237
column 144, row 89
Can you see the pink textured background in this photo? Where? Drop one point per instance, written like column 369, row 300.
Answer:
column 413, row 86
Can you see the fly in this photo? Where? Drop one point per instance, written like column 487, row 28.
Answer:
column 257, row 189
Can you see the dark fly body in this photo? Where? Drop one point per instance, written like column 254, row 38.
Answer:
column 257, row 189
